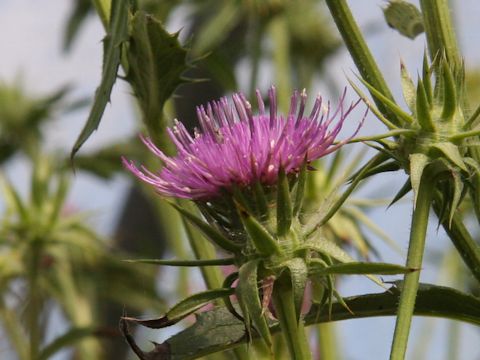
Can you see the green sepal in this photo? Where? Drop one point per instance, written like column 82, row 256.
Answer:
column 357, row 268
column 164, row 262
column 298, row 274
column 408, row 87
column 424, row 117
column 182, row 309
column 418, row 162
column 391, row 105
column 474, row 185
column 284, row 204
column 300, row 189
column 452, row 153
column 210, row 232
column 458, row 194
column 261, row 201
column 249, row 300
column 404, row 190
column 241, row 199
column 426, row 73
column 263, row 241
column 449, row 93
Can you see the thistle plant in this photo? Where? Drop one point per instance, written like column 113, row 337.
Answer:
column 246, row 173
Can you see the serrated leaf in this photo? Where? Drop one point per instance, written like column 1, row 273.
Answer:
column 357, row 268
column 163, row 262
column 217, row 330
column 156, row 61
column 248, row 297
column 263, row 241
column 284, row 204
column 418, row 162
column 404, row 17
column 452, row 153
column 408, row 88
column 183, row 308
column 211, row 233
column 116, row 36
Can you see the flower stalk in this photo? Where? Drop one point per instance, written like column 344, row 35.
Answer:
column 414, row 260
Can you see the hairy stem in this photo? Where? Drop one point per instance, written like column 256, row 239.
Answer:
column 414, row 260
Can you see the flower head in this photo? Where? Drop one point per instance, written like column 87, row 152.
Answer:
column 237, row 148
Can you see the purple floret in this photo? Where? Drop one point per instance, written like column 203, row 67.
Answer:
column 236, row 147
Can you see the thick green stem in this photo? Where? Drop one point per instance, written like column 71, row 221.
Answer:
column 328, row 348
column 293, row 331
column 360, row 52
column 414, row 260
column 439, row 30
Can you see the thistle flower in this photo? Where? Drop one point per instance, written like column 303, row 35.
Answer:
column 237, row 148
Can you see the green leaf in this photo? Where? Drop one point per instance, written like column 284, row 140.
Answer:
column 284, row 204
column 408, row 87
column 69, row 338
column 261, row 201
column 77, row 17
column 117, row 34
column 404, row 17
column 217, row 330
column 210, row 232
column 357, row 268
column 163, row 262
column 452, row 153
column 249, row 299
column 183, row 308
column 404, row 190
column 449, row 93
column 418, row 162
column 156, row 61
column 263, row 241
column 300, row 188
column 458, row 192
column 424, row 118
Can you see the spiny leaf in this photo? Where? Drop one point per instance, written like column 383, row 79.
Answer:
column 300, row 189
column 404, row 17
column 284, row 204
column 452, row 153
column 183, row 308
column 117, row 34
column 163, row 262
column 210, row 232
column 404, row 190
column 418, row 162
column 458, row 192
column 424, row 117
column 263, row 241
column 156, row 62
column 397, row 110
column 358, row 268
column 249, row 299
column 261, row 201
column 408, row 87
column 449, row 93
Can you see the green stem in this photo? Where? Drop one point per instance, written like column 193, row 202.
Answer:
column 34, row 301
column 360, row 52
column 328, row 348
column 292, row 330
column 414, row 260
column 439, row 30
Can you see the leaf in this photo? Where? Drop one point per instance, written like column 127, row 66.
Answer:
column 69, row 338
column 404, row 190
column 452, row 153
column 112, row 48
column 284, row 204
column 183, row 308
column 210, row 232
column 358, row 268
column 217, row 330
column 404, row 17
column 408, row 87
column 418, row 162
column 422, row 108
column 249, row 299
column 449, row 93
column 77, row 17
column 300, row 188
column 156, row 61
column 163, row 262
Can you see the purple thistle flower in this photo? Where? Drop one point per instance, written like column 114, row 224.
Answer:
column 236, row 147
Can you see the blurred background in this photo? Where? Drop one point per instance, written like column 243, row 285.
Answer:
column 50, row 66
